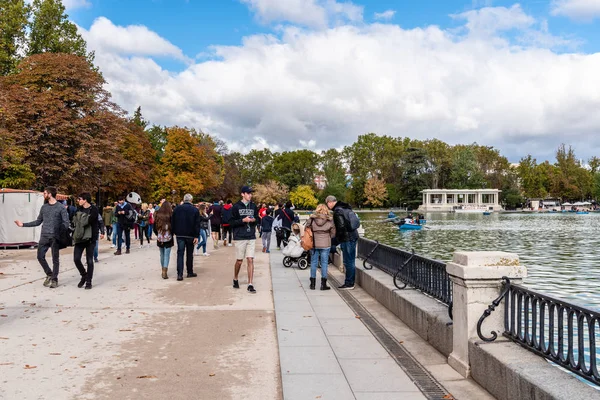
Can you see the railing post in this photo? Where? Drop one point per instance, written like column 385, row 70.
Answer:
column 476, row 279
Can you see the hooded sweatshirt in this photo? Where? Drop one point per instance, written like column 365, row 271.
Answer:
column 226, row 214
column 323, row 230
column 243, row 230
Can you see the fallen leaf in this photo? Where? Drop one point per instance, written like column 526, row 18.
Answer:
column 211, row 374
column 55, row 354
column 27, row 366
column 73, row 357
column 118, row 377
column 3, row 315
column 125, row 330
column 357, row 316
column 6, row 363
column 82, row 366
column 146, row 377
column 3, row 338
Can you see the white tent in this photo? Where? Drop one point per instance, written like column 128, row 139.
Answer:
column 21, row 205
column 567, row 204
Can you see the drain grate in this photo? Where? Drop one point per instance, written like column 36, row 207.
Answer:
column 428, row 385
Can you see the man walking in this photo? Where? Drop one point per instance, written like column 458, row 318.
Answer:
column 52, row 214
column 107, row 216
column 186, row 227
column 86, row 223
column 346, row 236
column 244, row 216
column 125, row 218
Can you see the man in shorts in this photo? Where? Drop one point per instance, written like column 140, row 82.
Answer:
column 244, row 217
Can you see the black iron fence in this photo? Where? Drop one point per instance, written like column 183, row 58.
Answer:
column 424, row 274
column 564, row 333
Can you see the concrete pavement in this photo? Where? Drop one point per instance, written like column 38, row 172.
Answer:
column 135, row 335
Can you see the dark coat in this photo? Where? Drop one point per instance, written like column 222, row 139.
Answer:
column 186, row 221
column 243, row 230
column 343, row 233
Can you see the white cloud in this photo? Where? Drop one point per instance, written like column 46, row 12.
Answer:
column 585, row 10
column 386, row 15
column 105, row 37
column 490, row 20
column 310, row 13
column 328, row 86
column 72, row 4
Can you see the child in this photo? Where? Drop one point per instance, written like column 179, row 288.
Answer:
column 294, row 248
column 266, row 225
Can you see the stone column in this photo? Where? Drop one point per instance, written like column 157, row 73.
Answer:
column 479, row 199
column 476, row 282
column 444, row 198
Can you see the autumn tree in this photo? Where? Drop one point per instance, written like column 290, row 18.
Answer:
column 375, row 192
column 51, row 31
column 14, row 16
column 63, row 120
column 190, row 164
column 304, row 197
column 271, row 192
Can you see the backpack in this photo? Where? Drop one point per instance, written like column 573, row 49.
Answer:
column 308, row 240
column 164, row 236
column 131, row 217
column 83, row 227
column 63, row 235
column 353, row 221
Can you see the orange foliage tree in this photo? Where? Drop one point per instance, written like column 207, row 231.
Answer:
column 190, row 164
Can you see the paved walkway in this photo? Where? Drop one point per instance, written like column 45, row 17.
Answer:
column 325, row 351
column 135, row 335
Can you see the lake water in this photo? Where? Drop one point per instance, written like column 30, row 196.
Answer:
column 561, row 251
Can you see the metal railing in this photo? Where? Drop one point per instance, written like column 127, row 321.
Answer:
column 424, row 274
column 564, row 333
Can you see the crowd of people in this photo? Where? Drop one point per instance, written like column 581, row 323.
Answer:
column 189, row 226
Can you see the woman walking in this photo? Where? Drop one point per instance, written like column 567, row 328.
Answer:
column 323, row 229
column 164, row 235
column 204, row 224
column 142, row 222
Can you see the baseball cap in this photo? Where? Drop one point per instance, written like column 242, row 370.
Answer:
column 247, row 189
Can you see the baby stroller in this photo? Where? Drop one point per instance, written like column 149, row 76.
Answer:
column 282, row 233
column 294, row 253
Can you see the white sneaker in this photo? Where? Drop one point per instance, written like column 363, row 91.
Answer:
column 206, row 254
column 141, row 246
column 196, row 252
column 229, row 245
column 112, row 246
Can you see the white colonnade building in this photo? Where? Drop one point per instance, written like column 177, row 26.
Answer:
column 461, row 200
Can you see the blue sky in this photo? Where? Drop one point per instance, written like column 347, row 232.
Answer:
column 196, row 25
column 286, row 74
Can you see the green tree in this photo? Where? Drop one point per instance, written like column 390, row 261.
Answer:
column 51, row 31
column 416, row 173
column 332, row 167
column 257, row 167
column 158, row 139
column 466, row 173
column 304, row 197
column 138, row 118
column 293, row 168
column 14, row 16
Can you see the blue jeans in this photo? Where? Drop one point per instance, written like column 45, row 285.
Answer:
column 120, row 230
column 165, row 256
column 202, row 240
column 114, row 234
column 315, row 255
column 150, row 228
column 349, row 255
column 96, row 249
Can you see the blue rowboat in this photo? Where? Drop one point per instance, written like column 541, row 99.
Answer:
column 582, row 212
column 487, row 213
column 405, row 227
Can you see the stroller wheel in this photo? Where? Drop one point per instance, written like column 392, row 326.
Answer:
column 303, row 263
column 287, row 262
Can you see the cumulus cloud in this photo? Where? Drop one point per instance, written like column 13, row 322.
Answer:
column 585, row 10
column 489, row 20
column 72, row 4
column 310, row 13
column 386, row 15
column 322, row 88
column 105, row 37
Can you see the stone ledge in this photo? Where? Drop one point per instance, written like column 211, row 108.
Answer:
column 424, row 315
column 510, row 372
